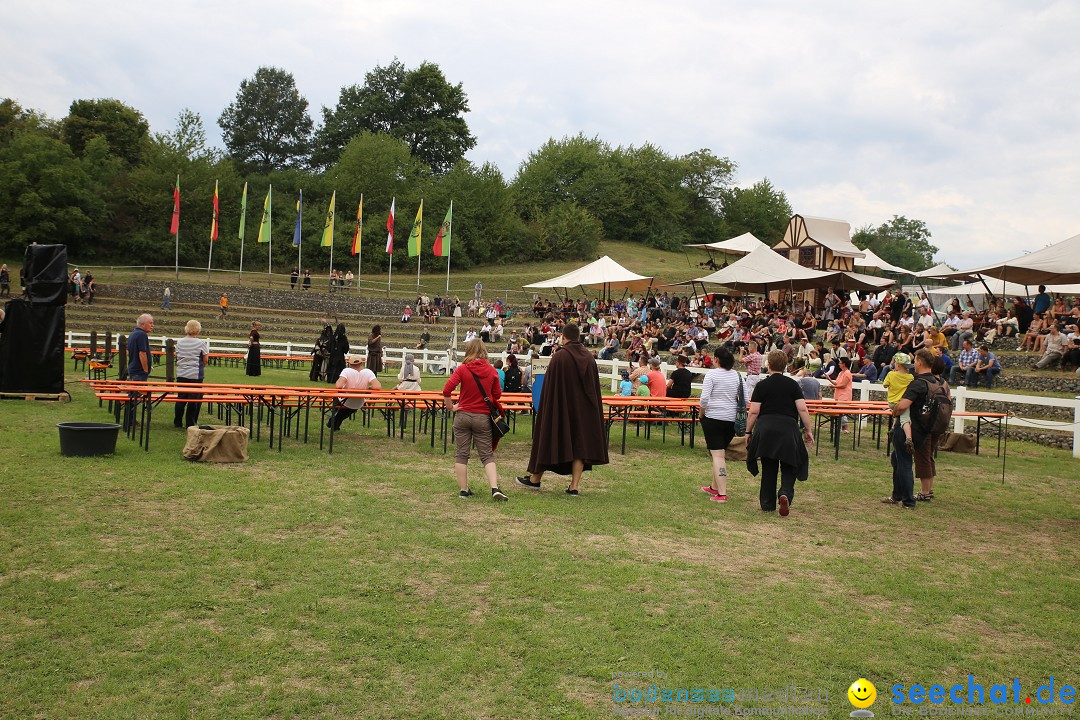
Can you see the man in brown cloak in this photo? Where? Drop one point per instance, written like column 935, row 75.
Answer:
column 568, row 431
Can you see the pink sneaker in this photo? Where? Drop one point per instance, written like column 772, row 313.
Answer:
column 709, row 489
column 719, row 498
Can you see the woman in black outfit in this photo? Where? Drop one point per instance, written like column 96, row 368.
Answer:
column 773, row 437
column 320, row 354
column 254, row 355
column 374, row 350
column 339, row 348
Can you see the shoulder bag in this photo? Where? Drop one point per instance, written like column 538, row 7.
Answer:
column 499, row 426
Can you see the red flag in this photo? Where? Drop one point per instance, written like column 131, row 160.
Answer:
column 176, row 208
column 217, row 216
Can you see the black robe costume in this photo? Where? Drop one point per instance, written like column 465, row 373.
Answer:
column 338, row 351
column 254, row 355
column 570, row 420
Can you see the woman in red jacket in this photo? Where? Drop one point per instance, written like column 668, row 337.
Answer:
column 472, row 418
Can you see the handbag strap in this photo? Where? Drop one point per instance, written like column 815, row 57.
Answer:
column 492, row 408
column 741, row 397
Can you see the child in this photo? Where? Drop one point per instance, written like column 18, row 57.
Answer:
column 896, row 382
column 625, row 386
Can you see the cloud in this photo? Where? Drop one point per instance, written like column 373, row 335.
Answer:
column 961, row 114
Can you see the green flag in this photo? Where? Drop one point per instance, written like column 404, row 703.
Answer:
column 243, row 213
column 441, row 248
column 264, row 225
column 328, row 226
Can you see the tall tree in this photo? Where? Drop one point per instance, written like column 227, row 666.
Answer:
column 189, row 137
column 900, row 241
column 760, row 209
column 419, row 107
column 267, row 127
column 124, row 128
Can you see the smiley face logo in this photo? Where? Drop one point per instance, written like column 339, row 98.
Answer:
column 862, row 693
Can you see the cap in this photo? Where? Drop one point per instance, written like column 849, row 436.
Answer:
column 654, row 361
column 902, row 359
column 356, row 360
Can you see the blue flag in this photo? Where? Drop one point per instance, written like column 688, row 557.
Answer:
column 299, row 214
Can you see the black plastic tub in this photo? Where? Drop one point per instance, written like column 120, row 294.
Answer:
column 85, row 439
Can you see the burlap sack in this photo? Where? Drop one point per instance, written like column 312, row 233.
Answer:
column 957, row 442
column 217, row 443
column 736, row 449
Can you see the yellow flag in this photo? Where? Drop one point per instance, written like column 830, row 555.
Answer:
column 328, row 227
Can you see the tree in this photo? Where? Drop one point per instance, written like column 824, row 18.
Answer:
column 189, row 137
column 568, row 232
column 577, row 170
column 419, row 107
column 900, row 241
column 267, row 127
column 124, row 128
column 760, row 209
column 15, row 119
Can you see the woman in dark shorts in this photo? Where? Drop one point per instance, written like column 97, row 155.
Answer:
column 773, row 437
column 719, row 401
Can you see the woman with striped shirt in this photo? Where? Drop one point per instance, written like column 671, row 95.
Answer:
column 719, row 401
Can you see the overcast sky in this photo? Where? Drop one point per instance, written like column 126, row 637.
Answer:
column 962, row 113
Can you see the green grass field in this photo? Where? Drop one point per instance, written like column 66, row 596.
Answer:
column 357, row 585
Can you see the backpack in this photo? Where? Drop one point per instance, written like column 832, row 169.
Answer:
column 935, row 413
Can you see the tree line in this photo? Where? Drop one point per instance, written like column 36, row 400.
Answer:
column 100, row 181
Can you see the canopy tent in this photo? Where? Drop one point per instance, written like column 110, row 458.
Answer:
column 833, row 234
column 998, row 287
column 939, row 271
column 764, row 269
column 741, row 245
column 604, row 273
column 1056, row 264
column 873, row 262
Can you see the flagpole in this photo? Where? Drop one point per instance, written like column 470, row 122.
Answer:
column 360, row 244
column 390, row 275
column 270, row 233
column 450, row 234
column 178, row 235
column 300, row 245
column 243, row 233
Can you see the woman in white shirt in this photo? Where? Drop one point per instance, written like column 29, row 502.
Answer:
column 719, row 402
column 409, row 375
column 191, row 353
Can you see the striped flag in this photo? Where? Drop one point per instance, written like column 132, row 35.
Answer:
column 390, row 229
column 441, row 248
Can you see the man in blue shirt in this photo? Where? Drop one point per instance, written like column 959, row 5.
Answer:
column 867, row 371
column 138, row 348
column 1043, row 301
column 987, row 364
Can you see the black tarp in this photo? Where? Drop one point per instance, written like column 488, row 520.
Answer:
column 32, row 348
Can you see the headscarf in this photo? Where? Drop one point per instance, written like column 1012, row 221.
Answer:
column 407, row 371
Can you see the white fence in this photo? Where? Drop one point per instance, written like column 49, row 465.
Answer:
column 437, row 361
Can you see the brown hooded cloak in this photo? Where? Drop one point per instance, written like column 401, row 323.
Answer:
column 570, row 421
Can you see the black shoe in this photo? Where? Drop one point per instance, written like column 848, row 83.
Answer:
column 572, row 493
column 497, row 494
column 526, row 481
column 908, row 507
column 464, row 493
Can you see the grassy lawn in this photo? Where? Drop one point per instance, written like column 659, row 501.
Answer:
column 359, row 586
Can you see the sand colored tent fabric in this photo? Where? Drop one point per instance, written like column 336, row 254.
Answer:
column 742, row 244
column 603, row 273
column 1057, row 264
column 873, row 262
column 764, row 269
column 833, row 234
column 941, row 270
column 997, row 287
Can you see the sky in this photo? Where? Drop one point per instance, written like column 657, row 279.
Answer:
column 963, row 114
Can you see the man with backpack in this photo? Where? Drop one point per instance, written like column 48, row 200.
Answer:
column 931, row 411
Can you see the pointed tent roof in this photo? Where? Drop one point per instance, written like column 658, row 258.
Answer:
column 764, row 268
column 872, row 261
column 1057, row 264
column 604, row 272
column 941, row 270
column 741, row 244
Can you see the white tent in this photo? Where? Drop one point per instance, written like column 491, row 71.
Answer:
column 741, row 245
column 1057, row 264
column 873, row 262
column 833, row 234
column 604, row 273
column 941, row 270
column 997, row 287
column 764, row 269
